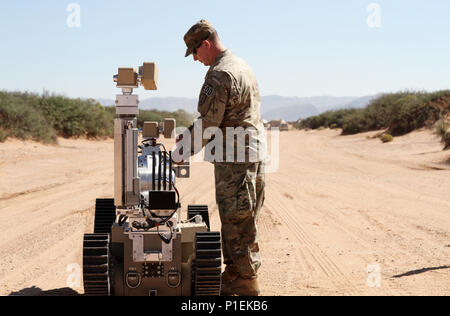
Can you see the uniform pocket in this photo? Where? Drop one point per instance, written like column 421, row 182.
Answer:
column 246, row 197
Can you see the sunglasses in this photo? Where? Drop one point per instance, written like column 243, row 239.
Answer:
column 195, row 49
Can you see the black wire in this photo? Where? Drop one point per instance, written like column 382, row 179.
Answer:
column 122, row 219
column 161, row 144
column 145, row 141
column 163, row 238
column 165, row 220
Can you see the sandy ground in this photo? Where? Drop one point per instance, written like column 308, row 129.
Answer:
column 344, row 215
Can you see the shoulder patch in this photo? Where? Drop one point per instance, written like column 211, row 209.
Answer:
column 207, row 89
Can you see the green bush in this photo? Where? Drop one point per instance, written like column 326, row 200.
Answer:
column 400, row 113
column 355, row 123
column 441, row 127
column 22, row 120
column 326, row 119
column 44, row 117
column 386, row 138
column 414, row 112
column 76, row 117
column 446, row 139
column 3, row 136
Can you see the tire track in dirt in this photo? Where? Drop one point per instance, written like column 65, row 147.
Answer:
column 322, row 265
column 45, row 255
column 38, row 189
column 53, row 204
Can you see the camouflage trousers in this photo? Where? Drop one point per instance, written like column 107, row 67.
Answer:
column 240, row 197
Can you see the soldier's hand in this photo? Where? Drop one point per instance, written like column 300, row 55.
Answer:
column 178, row 162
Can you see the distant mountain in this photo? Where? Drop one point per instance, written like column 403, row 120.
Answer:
column 294, row 108
column 272, row 106
column 321, row 103
column 357, row 103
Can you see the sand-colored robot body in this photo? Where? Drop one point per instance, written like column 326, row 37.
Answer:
column 140, row 245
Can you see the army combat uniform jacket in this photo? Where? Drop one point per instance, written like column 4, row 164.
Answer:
column 230, row 100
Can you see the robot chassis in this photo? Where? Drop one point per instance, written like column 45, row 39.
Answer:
column 140, row 245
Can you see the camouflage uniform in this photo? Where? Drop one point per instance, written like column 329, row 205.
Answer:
column 240, row 196
column 230, row 98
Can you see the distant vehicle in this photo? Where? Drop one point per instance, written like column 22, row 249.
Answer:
column 284, row 127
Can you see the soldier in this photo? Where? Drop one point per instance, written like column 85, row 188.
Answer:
column 230, row 98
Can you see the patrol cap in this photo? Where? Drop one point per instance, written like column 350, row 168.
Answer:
column 197, row 34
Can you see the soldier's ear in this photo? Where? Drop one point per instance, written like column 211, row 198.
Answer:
column 207, row 44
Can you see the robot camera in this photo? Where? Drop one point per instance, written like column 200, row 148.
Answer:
column 130, row 78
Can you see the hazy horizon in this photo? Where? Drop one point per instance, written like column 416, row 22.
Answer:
column 148, row 95
column 296, row 48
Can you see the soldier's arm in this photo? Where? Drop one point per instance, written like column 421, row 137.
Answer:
column 214, row 97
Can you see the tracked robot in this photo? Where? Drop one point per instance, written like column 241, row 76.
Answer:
column 140, row 245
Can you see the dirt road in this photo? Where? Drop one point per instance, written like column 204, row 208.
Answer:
column 343, row 215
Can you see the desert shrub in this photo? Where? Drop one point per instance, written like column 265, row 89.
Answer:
column 76, row 117
column 386, row 138
column 326, row 119
column 298, row 125
column 354, row 123
column 44, row 117
column 441, row 127
column 22, row 120
column 412, row 114
column 3, row 136
column 400, row 113
column 446, row 139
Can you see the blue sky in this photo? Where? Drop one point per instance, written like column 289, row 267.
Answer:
column 296, row 48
